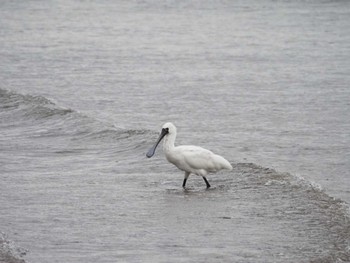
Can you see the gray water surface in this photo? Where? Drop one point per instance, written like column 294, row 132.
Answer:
column 86, row 86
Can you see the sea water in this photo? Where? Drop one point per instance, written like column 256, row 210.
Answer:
column 85, row 87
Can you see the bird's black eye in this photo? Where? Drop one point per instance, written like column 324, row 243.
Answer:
column 167, row 130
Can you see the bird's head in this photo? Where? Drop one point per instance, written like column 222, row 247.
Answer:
column 167, row 129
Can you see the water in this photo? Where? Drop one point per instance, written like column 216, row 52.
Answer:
column 86, row 86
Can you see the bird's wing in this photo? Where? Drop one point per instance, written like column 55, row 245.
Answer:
column 198, row 158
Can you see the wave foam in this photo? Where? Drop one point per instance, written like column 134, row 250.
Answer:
column 9, row 252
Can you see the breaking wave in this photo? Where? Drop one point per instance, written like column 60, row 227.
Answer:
column 9, row 252
column 23, row 117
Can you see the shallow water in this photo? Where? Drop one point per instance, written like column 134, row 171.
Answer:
column 83, row 97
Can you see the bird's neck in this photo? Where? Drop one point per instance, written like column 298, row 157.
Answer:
column 169, row 142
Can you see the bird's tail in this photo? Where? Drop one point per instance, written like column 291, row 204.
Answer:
column 223, row 162
column 228, row 166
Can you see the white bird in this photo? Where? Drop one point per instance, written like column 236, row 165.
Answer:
column 188, row 158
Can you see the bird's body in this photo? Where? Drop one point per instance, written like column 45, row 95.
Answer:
column 188, row 158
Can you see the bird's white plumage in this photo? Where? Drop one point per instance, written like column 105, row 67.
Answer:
column 189, row 158
column 195, row 159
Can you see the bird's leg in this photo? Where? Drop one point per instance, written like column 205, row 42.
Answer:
column 206, row 181
column 187, row 174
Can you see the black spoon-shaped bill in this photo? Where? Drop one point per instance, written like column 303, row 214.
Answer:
column 151, row 151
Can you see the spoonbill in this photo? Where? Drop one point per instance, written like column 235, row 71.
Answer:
column 188, row 158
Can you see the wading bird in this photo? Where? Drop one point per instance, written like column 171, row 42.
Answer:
column 188, row 158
